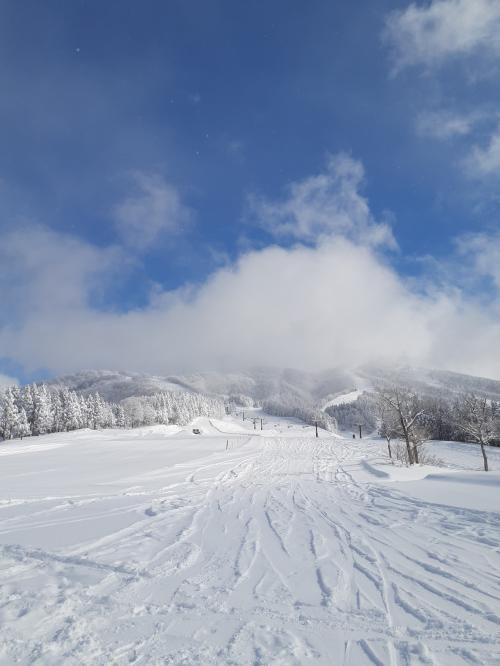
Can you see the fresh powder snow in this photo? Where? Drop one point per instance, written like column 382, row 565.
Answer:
column 240, row 546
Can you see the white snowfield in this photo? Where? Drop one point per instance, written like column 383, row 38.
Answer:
column 159, row 546
column 344, row 399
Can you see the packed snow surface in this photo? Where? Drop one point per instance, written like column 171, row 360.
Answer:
column 241, row 546
column 344, row 399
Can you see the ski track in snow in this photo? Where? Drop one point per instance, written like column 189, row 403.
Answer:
column 269, row 553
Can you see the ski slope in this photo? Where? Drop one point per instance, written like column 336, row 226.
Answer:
column 343, row 399
column 157, row 546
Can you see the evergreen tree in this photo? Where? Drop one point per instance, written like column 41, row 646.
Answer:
column 27, row 404
column 10, row 417
column 97, row 415
column 120, row 417
column 71, row 415
column 84, row 412
column 56, row 412
column 22, row 429
column 43, row 419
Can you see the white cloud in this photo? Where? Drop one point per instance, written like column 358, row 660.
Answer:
column 432, row 33
column 329, row 203
column 482, row 250
column 444, row 124
column 305, row 307
column 153, row 210
column 43, row 271
column 5, row 381
column 484, row 161
column 336, row 301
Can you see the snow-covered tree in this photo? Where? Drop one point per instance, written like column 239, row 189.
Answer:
column 43, row 418
column 477, row 417
column 351, row 415
column 406, row 412
column 9, row 415
column 95, row 411
column 22, row 429
column 84, row 412
column 438, row 418
column 28, row 404
column 170, row 407
column 71, row 413
column 282, row 406
column 241, row 400
column 387, row 424
column 134, row 411
column 56, row 412
column 120, row 419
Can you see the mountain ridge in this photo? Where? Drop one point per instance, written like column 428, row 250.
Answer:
column 261, row 383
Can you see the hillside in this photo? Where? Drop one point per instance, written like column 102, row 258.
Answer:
column 114, row 385
column 315, row 389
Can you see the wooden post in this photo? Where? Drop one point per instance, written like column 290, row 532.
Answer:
column 316, row 425
column 359, row 426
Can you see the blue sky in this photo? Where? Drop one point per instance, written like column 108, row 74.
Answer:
column 151, row 149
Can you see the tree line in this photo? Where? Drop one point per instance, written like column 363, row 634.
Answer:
column 280, row 406
column 38, row 410
column 407, row 417
column 400, row 414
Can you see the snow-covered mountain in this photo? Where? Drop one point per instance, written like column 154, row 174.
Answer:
column 288, row 384
column 257, row 383
column 115, row 386
column 432, row 382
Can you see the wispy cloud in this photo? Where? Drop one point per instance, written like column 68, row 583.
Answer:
column 153, row 210
column 482, row 252
column 44, row 272
column 327, row 204
column 443, row 124
column 6, row 380
column 484, row 161
column 431, row 34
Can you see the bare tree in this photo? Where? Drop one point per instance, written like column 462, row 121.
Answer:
column 405, row 409
column 386, row 432
column 476, row 418
column 386, row 426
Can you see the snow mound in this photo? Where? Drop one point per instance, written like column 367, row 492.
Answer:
column 379, row 473
column 474, row 478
